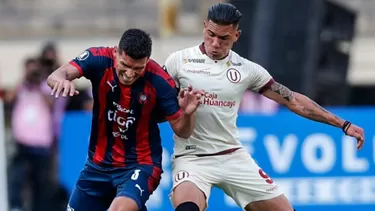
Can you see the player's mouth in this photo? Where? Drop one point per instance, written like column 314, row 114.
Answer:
column 126, row 78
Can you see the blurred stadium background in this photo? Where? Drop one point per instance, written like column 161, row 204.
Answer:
column 322, row 48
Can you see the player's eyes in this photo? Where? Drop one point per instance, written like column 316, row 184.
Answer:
column 223, row 38
column 138, row 71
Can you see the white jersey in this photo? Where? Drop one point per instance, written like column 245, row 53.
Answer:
column 224, row 82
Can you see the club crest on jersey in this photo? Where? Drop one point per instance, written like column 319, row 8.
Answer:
column 143, row 98
column 83, row 56
column 233, row 75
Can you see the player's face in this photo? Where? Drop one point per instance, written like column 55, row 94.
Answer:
column 128, row 69
column 219, row 39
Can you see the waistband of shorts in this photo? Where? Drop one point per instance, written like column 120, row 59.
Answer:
column 228, row 151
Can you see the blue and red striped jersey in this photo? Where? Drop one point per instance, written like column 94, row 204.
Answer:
column 124, row 125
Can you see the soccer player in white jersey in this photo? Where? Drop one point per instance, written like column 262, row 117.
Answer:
column 213, row 155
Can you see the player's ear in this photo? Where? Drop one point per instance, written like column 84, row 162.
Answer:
column 115, row 49
column 237, row 35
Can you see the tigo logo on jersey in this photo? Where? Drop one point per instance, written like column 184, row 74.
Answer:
column 194, row 61
column 123, row 123
column 211, row 99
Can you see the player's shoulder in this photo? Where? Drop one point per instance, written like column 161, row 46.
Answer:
column 101, row 51
column 155, row 73
column 248, row 65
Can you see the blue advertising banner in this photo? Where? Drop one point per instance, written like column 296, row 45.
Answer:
column 316, row 166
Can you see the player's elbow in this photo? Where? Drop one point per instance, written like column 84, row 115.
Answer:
column 184, row 135
column 183, row 132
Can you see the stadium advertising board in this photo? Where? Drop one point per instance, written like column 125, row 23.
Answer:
column 316, row 166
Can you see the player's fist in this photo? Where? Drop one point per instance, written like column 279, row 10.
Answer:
column 189, row 99
column 358, row 133
column 64, row 88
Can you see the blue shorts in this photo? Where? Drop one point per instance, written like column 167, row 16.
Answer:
column 96, row 189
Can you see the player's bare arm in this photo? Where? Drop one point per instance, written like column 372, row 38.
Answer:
column 304, row 106
column 60, row 80
column 189, row 101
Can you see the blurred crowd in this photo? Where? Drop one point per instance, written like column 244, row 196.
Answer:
column 35, row 117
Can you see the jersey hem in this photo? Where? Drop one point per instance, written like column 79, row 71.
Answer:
column 209, row 154
column 174, row 116
column 266, row 86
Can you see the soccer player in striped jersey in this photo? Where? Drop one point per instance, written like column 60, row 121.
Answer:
column 131, row 92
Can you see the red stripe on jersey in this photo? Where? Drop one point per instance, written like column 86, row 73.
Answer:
column 118, row 149
column 78, row 67
column 155, row 68
column 174, row 116
column 104, row 51
column 154, row 179
column 143, row 149
column 266, row 86
column 102, row 140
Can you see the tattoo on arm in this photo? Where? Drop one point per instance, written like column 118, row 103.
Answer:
column 304, row 106
column 315, row 112
column 283, row 91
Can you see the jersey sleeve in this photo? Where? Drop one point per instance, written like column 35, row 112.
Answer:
column 171, row 67
column 167, row 95
column 90, row 63
column 260, row 79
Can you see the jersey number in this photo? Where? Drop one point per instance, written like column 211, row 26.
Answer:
column 265, row 176
column 135, row 175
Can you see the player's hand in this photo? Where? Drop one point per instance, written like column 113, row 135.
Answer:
column 189, row 99
column 358, row 133
column 64, row 88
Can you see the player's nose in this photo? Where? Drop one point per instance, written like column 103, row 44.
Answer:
column 215, row 43
column 130, row 73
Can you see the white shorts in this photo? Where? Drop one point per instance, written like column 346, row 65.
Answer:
column 235, row 173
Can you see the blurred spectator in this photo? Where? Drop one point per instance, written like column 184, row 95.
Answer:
column 253, row 103
column 33, row 135
column 169, row 11
column 49, row 58
column 50, row 62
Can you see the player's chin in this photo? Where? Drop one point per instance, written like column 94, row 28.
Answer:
column 216, row 56
column 128, row 82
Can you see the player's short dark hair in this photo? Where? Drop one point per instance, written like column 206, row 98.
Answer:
column 136, row 43
column 224, row 14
